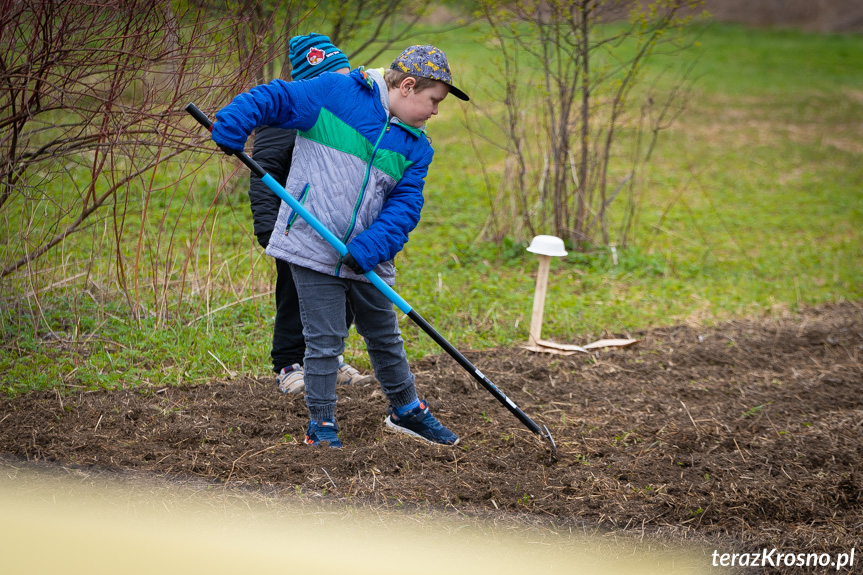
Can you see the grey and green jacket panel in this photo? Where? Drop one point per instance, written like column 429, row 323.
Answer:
column 356, row 169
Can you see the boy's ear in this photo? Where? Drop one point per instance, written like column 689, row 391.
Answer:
column 407, row 86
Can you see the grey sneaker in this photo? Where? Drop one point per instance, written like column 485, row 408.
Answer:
column 348, row 375
column 291, row 380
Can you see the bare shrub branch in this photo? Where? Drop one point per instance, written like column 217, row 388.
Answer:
column 572, row 71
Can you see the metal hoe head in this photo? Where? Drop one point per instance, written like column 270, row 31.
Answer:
column 547, row 435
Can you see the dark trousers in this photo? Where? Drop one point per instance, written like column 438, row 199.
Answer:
column 289, row 346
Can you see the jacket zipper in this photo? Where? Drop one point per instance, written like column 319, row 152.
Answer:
column 363, row 189
column 293, row 216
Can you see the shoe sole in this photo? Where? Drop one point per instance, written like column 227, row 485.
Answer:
column 399, row 429
column 299, row 387
column 323, row 443
column 359, row 380
column 295, row 387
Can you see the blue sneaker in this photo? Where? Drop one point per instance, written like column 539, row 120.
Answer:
column 419, row 422
column 325, row 431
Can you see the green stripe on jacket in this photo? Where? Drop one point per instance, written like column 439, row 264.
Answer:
column 334, row 133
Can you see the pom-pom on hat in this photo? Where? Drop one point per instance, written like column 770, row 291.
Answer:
column 314, row 54
column 427, row 62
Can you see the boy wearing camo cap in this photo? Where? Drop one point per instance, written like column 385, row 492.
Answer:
column 359, row 166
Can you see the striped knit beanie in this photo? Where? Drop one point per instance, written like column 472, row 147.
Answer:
column 314, row 54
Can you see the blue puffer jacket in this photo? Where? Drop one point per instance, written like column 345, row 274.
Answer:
column 356, row 168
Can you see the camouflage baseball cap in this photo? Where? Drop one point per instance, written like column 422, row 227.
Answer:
column 427, row 62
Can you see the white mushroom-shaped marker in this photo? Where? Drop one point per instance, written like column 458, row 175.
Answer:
column 546, row 247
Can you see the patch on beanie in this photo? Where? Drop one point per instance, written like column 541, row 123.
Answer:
column 315, row 56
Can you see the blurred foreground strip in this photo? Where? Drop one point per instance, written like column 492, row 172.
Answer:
column 72, row 521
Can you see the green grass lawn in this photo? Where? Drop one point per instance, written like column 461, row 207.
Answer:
column 754, row 206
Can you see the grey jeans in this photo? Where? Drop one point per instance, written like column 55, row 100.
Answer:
column 322, row 308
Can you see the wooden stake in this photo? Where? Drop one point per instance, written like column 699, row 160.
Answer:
column 539, row 300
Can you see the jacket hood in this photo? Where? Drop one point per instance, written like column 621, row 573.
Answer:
column 373, row 78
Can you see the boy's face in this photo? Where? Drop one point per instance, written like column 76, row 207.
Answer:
column 415, row 108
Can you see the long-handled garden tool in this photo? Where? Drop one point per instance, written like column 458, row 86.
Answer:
column 397, row 300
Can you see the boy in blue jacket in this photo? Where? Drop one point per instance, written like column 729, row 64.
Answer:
column 359, row 164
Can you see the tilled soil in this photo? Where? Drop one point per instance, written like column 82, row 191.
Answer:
column 748, row 435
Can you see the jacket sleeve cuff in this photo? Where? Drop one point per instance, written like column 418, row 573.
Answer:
column 362, row 254
column 223, row 139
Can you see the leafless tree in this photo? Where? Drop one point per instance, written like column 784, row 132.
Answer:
column 569, row 72
column 91, row 110
column 93, row 133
